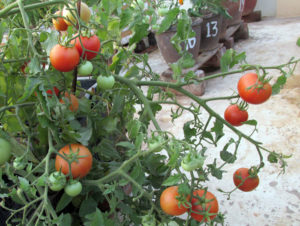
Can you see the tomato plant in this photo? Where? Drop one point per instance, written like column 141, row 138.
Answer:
column 252, row 90
column 5, row 151
column 105, row 82
column 132, row 170
column 204, row 206
column 73, row 188
column 235, row 116
column 87, row 46
column 169, row 202
column 244, row 180
column 64, row 58
column 80, row 160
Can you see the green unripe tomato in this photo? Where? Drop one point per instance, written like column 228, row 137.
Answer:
column 57, row 181
column 5, row 151
column 105, row 82
column 19, row 163
column 85, row 68
column 73, row 188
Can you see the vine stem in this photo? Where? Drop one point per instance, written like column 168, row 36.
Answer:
column 10, row 9
column 142, row 97
column 26, row 24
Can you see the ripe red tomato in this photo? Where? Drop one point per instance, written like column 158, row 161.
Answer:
column 80, row 167
column 169, row 203
column 73, row 101
column 89, row 43
column 245, row 185
column 211, row 206
column 252, row 90
column 64, row 58
column 56, row 90
column 235, row 116
column 59, row 22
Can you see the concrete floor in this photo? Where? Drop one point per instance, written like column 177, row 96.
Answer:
column 276, row 201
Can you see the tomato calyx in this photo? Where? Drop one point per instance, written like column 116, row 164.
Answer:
column 19, row 163
column 192, row 161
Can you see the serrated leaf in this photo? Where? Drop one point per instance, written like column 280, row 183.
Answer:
column 140, row 31
column 133, row 128
column 94, row 219
column 172, row 180
column 216, row 172
column 30, row 85
column 126, row 144
column 168, row 20
column 87, row 206
column 50, row 42
column 218, row 130
column 189, row 131
column 125, row 18
column 227, row 156
column 63, row 202
column 132, row 72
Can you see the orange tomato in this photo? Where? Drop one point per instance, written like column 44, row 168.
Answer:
column 72, row 100
column 169, row 203
column 180, row 2
column 59, row 22
column 80, row 167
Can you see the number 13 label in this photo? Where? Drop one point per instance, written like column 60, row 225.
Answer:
column 212, row 29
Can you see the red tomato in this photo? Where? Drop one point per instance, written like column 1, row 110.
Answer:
column 56, row 90
column 89, row 43
column 252, row 90
column 169, row 203
column 64, row 58
column 72, row 100
column 80, row 167
column 211, row 206
column 235, row 116
column 245, row 185
column 59, row 22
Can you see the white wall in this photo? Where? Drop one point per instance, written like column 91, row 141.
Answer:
column 267, row 7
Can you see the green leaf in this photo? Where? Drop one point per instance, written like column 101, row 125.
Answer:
column 298, row 42
column 140, row 31
column 172, row 180
column 67, row 220
column 230, row 59
column 133, row 128
column 272, row 158
column 189, row 132
column 88, row 206
column 278, row 85
column 132, row 72
column 63, row 202
column 251, row 122
column 94, row 219
column 3, row 28
column 215, row 171
column 218, row 130
column 126, row 144
column 106, row 150
column 227, row 156
column 50, row 42
column 125, row 18
column 168, row 20
column 31, row 84
column 187, row 60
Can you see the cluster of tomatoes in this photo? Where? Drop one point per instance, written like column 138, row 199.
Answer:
column 253, row 90
column 66, row 58
column 203, row 205
column 74, row 157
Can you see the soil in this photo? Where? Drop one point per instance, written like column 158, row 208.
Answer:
column 276, row 201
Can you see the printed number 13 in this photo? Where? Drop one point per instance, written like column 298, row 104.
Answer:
column 213, row 31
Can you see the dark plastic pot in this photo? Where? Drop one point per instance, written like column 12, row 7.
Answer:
column 249, row 7
column 210, row 32
column 166, row 48
column 235, row 10
column 223, row 28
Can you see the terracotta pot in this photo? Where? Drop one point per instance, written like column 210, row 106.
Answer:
column 223, row 28
column 235, row 10
column 166, row 48
column 210, row 32
column 249, row 7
